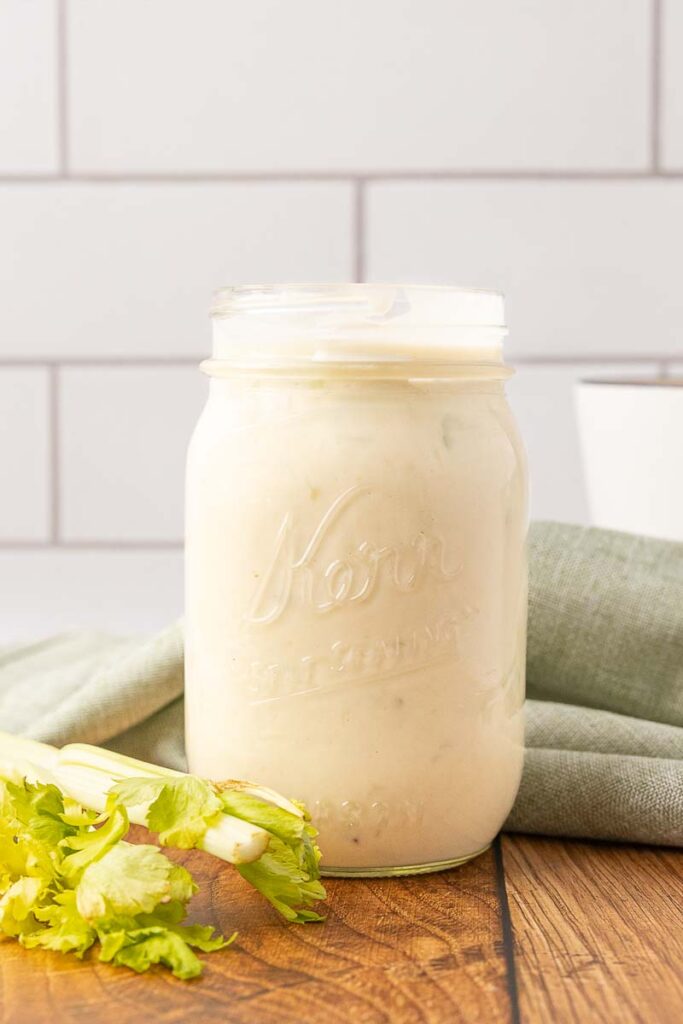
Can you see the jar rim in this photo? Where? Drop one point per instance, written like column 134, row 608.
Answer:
column 357, row 322
column 233, row 299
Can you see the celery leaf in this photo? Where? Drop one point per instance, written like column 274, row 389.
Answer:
column 68, row 879
column 180, row 809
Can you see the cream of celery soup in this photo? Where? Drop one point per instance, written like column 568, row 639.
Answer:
column 356, row 577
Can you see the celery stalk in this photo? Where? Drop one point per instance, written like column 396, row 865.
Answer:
column 87, row 773
column 69, row 879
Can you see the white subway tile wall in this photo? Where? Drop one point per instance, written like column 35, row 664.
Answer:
column 29, row 87
column 62, row 590
column 150, row 153
column 672, row 85
column 25, row 463
column 127, row 270
column 587, row 269
column 124, row 435
column 360, row 86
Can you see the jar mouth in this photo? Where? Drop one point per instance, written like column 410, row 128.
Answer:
column 482, row 305
column 359, row 323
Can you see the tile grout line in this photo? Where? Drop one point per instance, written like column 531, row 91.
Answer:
column 508, row 934
column 656, row 86
column 342, row 177
column 359, row 201
column 91, row 545
column 106, row 362
column 178, row 362
column 587, row 360
column 62, row 89
column 54, row 428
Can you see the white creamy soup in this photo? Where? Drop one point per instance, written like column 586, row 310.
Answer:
column 356, row 596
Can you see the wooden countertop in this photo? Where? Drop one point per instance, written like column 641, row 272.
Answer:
column 536, row 930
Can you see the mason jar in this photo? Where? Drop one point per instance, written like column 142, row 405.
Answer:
column 356, row 567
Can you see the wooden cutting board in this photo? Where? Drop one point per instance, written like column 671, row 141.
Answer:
column 535, row 930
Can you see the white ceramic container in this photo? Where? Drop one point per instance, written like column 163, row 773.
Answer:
column 632, row 445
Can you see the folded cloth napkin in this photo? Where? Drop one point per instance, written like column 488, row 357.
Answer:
column 604, row 740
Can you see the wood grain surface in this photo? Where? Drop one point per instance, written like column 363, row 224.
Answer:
column 405, row 950
column 598, row 931
column 593, row 933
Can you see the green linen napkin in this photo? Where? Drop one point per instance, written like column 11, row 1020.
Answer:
column 604, row 756
column 604, row 732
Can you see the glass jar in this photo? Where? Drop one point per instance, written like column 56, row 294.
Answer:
column 356, row 567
